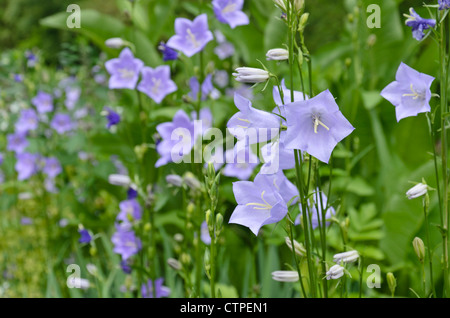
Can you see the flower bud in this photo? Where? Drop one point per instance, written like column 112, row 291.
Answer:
column 285, row 276
column 115, row 43
column 174, row 180
column 277, row 55
column 419, row 248
column 219, row 223
column 299, row 249
column 392, row 282
column 173, row 263
column 346, row 257
column 281, row 4
column 303, row 20
column 417, row 191
column 251, row 75
column 191, row 181
column 119, row 180
column 335, row 272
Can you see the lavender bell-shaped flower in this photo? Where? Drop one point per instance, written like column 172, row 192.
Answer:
column 62, row 123
column 129, row 210
column 230, row 12
column 156, row 83
column 241, row 161
column 316, row 126
column 27, row 121
column 254, row 124
column 125, row 241
column 263, row 201
column 183, row 127
column 191, row 36
column 124, row 70
column 17, row 142
column 168, row 53
column 444, row 4
column 410, row 92
column 26, row 165
column 316, row 210
column 52, row 167
column 43, row 102
column 418, row 24
column 112, row 117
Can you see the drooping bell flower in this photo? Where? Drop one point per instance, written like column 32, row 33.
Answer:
column 410, row 92
column 168, row 53
column 230, row 12
column 129, row 210
column 316, row 126
column 112, row 117
column 191, row 36
column 418, row 24
column 156, row 83
column 124, row 70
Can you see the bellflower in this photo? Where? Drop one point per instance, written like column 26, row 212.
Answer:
column 27, row 121
column 207, row 87
column 112, row 117
column 335, row 272
column 52, row 167
column 181, row 125
column 156, row 83
column 444, row 4
column 191, row 36
column 73, row 94
column 125, row 241
column 317, row 209
column 43, row 102
column 316, row 126
column 418, row 24
column 230, row 12
column 168, row 53
column 26, row 165
column 410, row 92
column 263, row 201
column 298, row 96
column 276, row 156
column 418, row 190
column 251, row 75
column 129, row 209
column 161, row 291
column 250, row 120
column 124, row 70
column 85, row 236
column 62, row 123
column 277, row 55
column 17, row 142
column 224, row 50
column 241, row 161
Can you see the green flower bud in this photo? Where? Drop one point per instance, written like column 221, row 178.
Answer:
column 392, row 282
column 419, row 248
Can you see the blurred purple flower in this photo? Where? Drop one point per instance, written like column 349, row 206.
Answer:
column 26, row 165
column 43, row 102
column 112, row 117
column 316, row 125
column 129, row 209
column 207, row 87
column 18, row 78
column 263, row 201
column 52, row 167
column 410, row 92
column 230, row 12
column 156, row 83
column 161, row 291
column 418, row 24
column 252, row 122
column 131, row 193
column 125, row 241
column 191, row 36
column 124, row 70
column 27, row 121
column 72, row 96
column 298, row 96
column 62, row 123
column 17, row 142
column 168, row 53
column 26, row 221
column 85, row 236
column 125, row 267
column 221, row 78
column 49, row 185
column 224, row 50
column 241, row 161
column 204, row 233
column 444, row 4
column 317, row 209
column 205, row 116
column 183, row 127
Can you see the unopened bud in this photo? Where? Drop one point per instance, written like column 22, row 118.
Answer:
column 417, row 191
column 119, row 180
column 285, row 276
column 192, row 182
column 335, row 272
column 392, row 282
column 419, row 248
column 299, row 249
column 303, row 20
column 346, row 257
column 219, row 223
column 277, row 55
column 115, row 43
column 251, row 75
column 174, row 180
column 175, row 264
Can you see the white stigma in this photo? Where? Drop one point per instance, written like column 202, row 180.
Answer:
column 317, row 122
column 261, row 206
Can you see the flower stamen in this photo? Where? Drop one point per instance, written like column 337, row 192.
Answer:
column 261, row 206
column 192, row 38
column 317, row 122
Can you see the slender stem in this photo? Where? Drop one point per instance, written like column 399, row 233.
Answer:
column 297, row 265
column 427, row 234
column 444, row 150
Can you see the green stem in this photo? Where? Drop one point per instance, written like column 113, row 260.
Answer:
column 427, row 234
